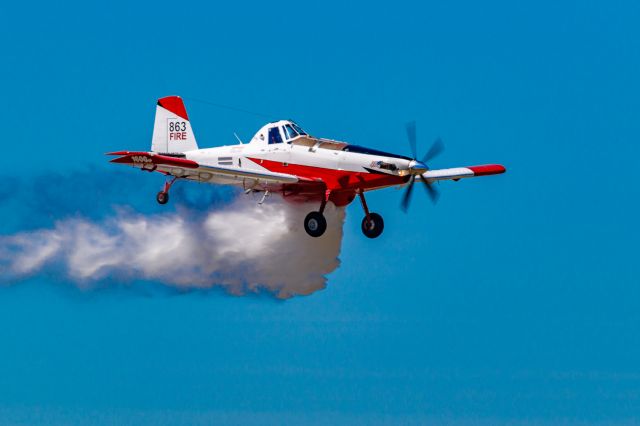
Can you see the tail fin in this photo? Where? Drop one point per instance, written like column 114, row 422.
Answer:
column 172, row 131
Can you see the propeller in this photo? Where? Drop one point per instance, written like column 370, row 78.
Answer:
column 417, row 167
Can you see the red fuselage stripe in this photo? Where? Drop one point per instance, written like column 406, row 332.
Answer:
column 334, row 179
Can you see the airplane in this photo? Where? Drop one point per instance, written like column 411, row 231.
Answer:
column 282, row 158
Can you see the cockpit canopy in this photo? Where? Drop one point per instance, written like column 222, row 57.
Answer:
column 283, row 131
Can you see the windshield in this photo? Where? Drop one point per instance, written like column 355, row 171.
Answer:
column 290, row 132
column 298, row 129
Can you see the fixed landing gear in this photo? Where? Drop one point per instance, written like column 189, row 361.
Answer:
column 163, row 196
column 315, row 223
column 372, row 224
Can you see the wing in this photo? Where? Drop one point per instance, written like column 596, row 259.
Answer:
column 189, row 169
column 458, row 173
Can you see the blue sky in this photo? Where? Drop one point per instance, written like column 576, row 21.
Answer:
column 515, row 300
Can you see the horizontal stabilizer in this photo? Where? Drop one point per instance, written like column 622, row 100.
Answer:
column 151, row 161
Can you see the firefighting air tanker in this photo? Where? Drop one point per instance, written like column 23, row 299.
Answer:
column 282, row 158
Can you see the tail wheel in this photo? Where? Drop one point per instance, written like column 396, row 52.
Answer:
column 374, row 226
column 162, row 197
column 315, row 224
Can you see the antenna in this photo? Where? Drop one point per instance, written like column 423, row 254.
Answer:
column 234, row 134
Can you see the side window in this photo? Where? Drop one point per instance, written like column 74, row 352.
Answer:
column 274, row 135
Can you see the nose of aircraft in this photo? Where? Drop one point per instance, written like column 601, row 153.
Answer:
column 417, row 167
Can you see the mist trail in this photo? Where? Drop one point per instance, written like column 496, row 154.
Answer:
column 235, row 244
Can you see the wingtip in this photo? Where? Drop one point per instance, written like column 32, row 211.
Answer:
column 121, row 160
column 488, row 169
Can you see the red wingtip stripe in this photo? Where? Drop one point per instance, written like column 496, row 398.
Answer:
column 175, row 105
column 487, row 169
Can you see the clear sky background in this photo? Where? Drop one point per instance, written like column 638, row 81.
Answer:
column 514, row 300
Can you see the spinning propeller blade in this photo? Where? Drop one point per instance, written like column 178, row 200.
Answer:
column 406, row 198
column 434, row 194
column 436, row 149
column 411, row 135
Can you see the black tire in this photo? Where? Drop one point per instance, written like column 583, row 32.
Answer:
column 162, row 197
column 374, row 227
column 315, row 224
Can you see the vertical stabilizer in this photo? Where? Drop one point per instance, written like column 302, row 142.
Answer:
column 172, row 131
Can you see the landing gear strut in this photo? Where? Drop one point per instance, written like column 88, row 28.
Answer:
column 315, row 224
column 372, row 224
column 163, row 196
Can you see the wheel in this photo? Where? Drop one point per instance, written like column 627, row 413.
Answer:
column 373, row 227
column 162, row 197
column 315, row 224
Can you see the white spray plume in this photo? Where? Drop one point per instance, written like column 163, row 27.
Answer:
column 242, row 247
